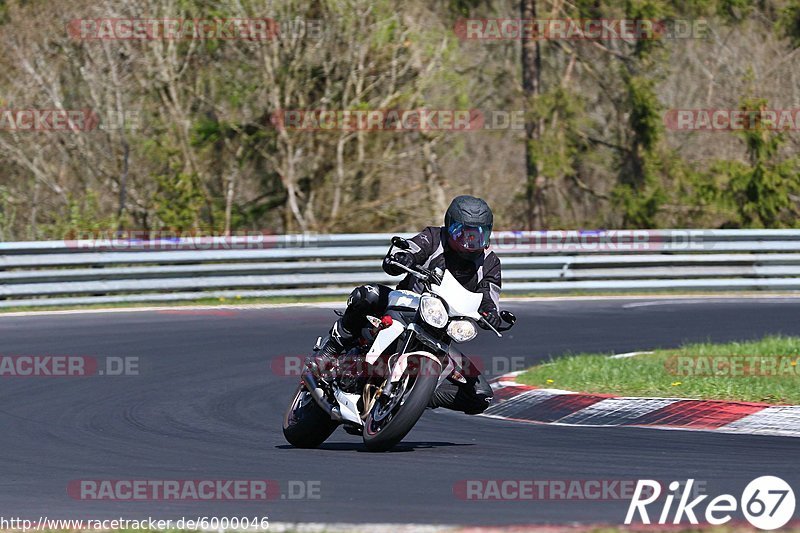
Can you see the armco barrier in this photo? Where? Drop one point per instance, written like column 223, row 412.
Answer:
column 161, row 270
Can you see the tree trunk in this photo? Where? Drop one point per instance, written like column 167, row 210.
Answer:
column 123, row 184
column 531, row 77
column 433, row 178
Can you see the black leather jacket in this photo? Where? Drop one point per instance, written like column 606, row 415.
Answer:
column 430, row 250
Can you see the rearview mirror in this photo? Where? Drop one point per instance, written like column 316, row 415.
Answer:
column 508, row 317
column 401, row 243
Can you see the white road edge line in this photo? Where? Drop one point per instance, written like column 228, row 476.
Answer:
column 649, row 300
column 695, row 301
column 178, row 308
column 626, row 355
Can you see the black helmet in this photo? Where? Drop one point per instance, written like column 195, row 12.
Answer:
column 468, row 222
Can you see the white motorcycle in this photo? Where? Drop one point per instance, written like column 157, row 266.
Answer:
column 380, row 389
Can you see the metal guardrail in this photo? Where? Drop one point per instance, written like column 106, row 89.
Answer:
column 102, row 270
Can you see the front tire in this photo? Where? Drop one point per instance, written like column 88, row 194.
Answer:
column 305, row 424
column 381, row 433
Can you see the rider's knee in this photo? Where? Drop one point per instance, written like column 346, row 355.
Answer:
column 364, row 298
column 478, row 403
column 481, row 398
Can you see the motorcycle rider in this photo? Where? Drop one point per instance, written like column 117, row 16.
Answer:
column 460, row 246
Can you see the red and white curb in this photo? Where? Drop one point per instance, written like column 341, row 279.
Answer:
column 515, row 401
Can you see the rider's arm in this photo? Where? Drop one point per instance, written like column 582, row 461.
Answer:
column 490, row 284
column 422, row 247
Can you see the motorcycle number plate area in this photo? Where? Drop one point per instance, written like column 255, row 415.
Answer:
column 384, row 339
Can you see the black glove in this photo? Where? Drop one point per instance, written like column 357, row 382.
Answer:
column 404, row 258
column 492, row 317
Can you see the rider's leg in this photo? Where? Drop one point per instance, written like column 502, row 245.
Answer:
column 363, row 301
column 472, row 397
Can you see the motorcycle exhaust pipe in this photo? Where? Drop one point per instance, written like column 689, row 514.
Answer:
column 316, row 393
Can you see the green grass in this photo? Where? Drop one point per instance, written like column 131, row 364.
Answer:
column 665, row 372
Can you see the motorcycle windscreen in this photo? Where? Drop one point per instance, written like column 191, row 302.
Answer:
column 461, row 302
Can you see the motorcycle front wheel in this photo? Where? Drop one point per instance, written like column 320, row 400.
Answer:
column 305, row 424
column 388, row 422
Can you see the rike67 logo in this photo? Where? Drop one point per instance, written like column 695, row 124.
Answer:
column 767, row 503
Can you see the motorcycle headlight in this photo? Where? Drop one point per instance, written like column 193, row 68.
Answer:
column 433, row 311
column 462, row 330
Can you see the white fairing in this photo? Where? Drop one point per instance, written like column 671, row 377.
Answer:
column 460, row 301
column 388, row 335
column 383, row 340
column 348, row 405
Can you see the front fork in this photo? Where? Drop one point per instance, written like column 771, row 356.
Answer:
column 386, row 393
column 413, row 332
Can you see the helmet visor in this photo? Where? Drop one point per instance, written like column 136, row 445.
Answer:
column 469, row 238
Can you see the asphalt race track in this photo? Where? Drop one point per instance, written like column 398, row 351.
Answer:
column 209, row 399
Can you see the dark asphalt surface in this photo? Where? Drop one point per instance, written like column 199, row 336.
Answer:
column 208, row 403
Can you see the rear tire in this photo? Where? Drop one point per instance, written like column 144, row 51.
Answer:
column 381, row 438
column 305, row 424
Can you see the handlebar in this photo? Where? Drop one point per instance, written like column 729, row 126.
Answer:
column 419, row 272
column 430, row 277
column 498, row 330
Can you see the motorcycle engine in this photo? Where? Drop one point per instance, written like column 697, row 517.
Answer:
column 351, row 372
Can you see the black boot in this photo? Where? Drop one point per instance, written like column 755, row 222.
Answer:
column 338, row 341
